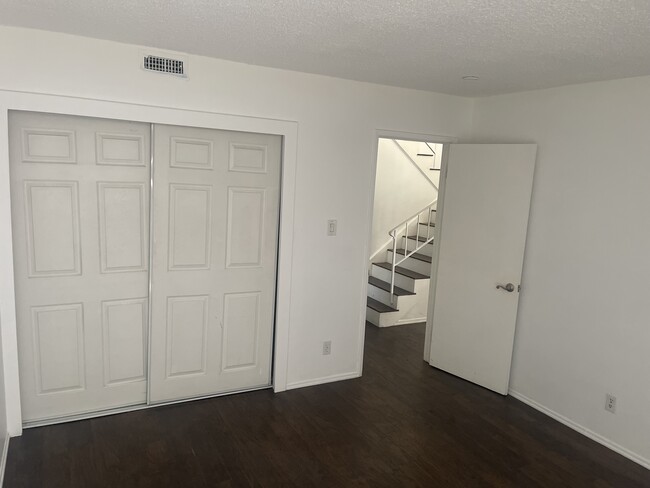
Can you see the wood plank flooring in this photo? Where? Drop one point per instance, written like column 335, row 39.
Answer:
column 402, row 424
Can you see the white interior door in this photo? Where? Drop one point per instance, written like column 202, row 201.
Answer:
column 216, row 211
column 483, row 220
column 80, row 212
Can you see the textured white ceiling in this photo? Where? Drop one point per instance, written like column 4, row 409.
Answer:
column 512, row 45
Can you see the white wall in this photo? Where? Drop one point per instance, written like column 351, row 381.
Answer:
column 337, row 124
column 425, row 163
column 401, row 190
column 584, row 318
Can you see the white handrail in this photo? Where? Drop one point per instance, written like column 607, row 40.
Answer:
column 418, row 243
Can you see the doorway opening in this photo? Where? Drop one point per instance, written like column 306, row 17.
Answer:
column 403, row 224
column 473, row 258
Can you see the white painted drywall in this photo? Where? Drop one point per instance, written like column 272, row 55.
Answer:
column 584, row 318
column 337, row 125
column 400, row 191
column 413, row 148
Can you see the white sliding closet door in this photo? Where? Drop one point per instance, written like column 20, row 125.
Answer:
column 216, row 210
column 80, row 211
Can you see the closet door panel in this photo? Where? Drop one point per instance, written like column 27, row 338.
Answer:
column 215, row 230
column 80, row 216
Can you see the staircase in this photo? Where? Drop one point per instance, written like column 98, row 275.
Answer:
column 398, row 289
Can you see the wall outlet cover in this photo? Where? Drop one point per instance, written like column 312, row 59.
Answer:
column 610, row 403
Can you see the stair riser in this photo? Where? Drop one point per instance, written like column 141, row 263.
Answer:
column 411, row 263
column 381, row 319
column 427, row 249
column 372, row 316
column 400, row 280
column 414, row 310
column 387, row 319
column 382, row 296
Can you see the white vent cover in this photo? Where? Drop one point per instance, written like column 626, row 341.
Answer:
column 164, row 65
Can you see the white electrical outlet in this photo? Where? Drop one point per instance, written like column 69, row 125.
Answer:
column 327, row 348
column 331, row 227
column 610, row 403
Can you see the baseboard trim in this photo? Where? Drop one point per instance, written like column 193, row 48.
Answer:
column 416, row 320
column 583, row 430
column 401, row 322
column 3, row 460
column 323, row 380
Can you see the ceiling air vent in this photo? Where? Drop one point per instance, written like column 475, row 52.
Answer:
column 164, row 65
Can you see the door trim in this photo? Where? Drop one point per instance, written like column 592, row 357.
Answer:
column 36, row 102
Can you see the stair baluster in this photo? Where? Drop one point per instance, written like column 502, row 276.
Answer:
column 397, row 231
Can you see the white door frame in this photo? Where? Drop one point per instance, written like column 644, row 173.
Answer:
column 14, row 100
column 386, row 134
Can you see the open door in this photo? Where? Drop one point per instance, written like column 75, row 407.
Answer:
column 482, row 219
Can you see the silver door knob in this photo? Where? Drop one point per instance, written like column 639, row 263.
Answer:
column 509, row 287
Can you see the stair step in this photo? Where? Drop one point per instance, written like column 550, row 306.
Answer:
column 430, row 224
column 386, row 287
column 420, row 238
column 380, row 307
column 403, row 271
column 417, row 255
column 425, row 246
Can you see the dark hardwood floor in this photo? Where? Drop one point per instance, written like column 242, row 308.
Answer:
column 402, row 424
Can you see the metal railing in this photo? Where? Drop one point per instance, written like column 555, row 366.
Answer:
column 402, row 231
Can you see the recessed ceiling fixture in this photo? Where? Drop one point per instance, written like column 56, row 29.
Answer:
column 470, row 78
